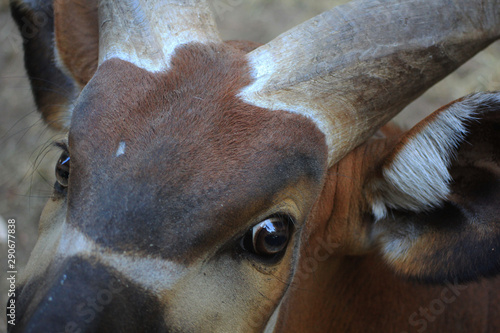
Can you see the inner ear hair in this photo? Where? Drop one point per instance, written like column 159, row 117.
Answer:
column 415, row 175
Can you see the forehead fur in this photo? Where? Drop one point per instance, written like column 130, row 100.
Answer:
column 194, row 163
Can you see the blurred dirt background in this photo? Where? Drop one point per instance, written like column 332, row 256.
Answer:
column 27, row 159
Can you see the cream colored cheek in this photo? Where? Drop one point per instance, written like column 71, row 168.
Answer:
column 227, row 296
column 49, row 234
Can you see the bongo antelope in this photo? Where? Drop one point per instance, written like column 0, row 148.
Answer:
column 210, row 186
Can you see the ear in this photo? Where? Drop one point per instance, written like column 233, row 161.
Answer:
column 436, row 198
column 60, row 40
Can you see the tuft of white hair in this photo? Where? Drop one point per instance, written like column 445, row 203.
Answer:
column 417, row 177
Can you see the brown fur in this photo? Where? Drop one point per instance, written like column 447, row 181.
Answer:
column 77, row 48
column 201, row 167
column 342, row 285
column 193, row 103
column 56, row 84
column 361, row 294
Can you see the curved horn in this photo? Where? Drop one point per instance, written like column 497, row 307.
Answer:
column 353, row 68
column 146, row 33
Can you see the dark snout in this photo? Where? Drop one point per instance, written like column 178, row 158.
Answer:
column 85, row 297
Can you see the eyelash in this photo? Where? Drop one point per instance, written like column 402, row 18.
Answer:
column 62, row 145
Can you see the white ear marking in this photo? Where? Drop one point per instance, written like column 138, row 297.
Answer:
column 417, row 178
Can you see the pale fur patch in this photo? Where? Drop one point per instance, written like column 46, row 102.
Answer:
column 264, row 67
column 150, row 40
column 396, row 249
column 154, row 274
column 418, row 178
column 273, row 320
column 121, row 149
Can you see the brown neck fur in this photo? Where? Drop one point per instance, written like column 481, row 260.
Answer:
column 342, row 285
column 360, row 294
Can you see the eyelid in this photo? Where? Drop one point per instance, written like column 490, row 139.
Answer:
column 62, row 144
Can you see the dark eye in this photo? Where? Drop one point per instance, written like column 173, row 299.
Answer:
column 62, row 169
column 269, row 237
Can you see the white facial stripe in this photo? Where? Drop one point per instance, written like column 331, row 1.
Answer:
column 151, row 273
column 160, row 30
column 263, row 66
column 153, row 65
column 182, row 22
column 73, row 243
column 150, row 63
column 44, row 249
column 271, row 324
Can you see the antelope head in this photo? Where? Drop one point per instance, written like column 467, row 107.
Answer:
column 198, row 173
